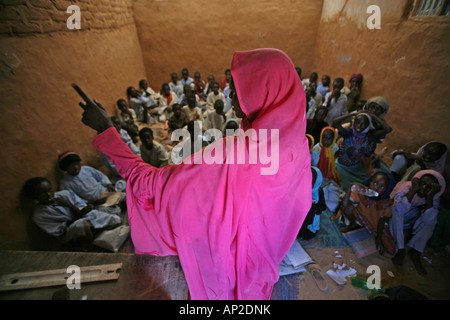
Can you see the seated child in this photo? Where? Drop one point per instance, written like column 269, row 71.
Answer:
column 185, row 78
column 353, row 93
column 310, row 102
column 128, row 119
column 86, row 182
column 226, row 81
column 371, row 211
column 66, row 216
column 335, row 101
column 432, row 155
column 216, row 119
column 140, row 104
column 358, row 145
column 125, row 136
column 416, row 207
column 323, row 154
column 175, row 85
column 166, row 101
column 199, row 86
column 208, row 86
column 379, row 107
column 214, row 96
column 193, row 112
column 312, row 79
column 183, row 99
column 311, row 224
column 179, row 118
column 323, row 87
column 145, row 90
column 230, row 127
column 152, row 152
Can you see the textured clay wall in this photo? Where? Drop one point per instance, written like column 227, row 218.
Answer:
column 202, row 35
column 40, row 116
column 406, row 61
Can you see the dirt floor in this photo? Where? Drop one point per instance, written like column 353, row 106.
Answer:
column 336, row 252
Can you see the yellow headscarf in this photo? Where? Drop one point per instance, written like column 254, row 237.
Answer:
column 326, row 160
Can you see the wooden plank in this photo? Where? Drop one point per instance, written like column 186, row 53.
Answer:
column 143, row 277
column 37, row 279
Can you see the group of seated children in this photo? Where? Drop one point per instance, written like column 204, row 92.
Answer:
column 398, row 205
column 82, row 208
column 343, row 131
column 180, row 104
column 86, row 204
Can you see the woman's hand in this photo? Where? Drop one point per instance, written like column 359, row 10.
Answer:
column 94, row 115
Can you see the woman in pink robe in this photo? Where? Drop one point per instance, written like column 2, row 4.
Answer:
column 230, row 224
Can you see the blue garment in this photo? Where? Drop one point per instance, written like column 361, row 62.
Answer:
column 388, row 189
column 89, row 184
column 405, row 216
column 322, row 89
column 59, row 221
column 316, row 209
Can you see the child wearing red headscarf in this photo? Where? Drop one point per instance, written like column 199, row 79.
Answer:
column 323, row 154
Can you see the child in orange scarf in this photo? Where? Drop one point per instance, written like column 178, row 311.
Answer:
column 323, row 154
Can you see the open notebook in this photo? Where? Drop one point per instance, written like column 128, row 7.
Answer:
column 295, row 261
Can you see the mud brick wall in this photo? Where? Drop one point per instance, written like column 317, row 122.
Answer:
column 21, row 17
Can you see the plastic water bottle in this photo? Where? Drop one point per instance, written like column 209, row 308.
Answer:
column 365, row 191
column 362, row 284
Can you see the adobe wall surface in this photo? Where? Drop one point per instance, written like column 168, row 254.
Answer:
column 202, row 35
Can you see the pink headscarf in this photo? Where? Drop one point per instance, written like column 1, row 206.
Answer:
column 230, row 226
column 403, row 187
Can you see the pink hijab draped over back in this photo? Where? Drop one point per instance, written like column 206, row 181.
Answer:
column 229, row 224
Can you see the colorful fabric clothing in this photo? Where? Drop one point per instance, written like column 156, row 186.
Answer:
column 326, row 162
column 231, row 241
column 413, row 215
column 369, row 210
column 322, row 89
column 353, row 149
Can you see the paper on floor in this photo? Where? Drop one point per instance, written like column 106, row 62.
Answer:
column 341, row 273
column 295, row 261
